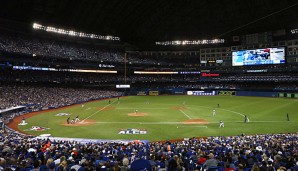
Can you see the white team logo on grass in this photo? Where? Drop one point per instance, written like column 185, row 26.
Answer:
column 132, row 131
column 62, row 114
column 37, row 128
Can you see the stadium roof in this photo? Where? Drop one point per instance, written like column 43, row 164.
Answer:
column 142, row 22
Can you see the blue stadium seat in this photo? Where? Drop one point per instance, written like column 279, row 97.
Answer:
column 213, row 169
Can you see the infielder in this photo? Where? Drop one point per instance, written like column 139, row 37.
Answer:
column 221, row 124
column 77, row 118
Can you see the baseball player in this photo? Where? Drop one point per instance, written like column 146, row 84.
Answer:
column 77, row 119
column 221, row 124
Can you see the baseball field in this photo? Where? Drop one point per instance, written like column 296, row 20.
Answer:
column 156, row 118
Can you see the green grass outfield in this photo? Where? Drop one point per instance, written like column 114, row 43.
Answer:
column 164, row 119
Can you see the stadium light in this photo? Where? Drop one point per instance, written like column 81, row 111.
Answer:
column 37, row 26
column 294, row 31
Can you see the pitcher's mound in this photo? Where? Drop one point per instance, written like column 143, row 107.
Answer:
column 86, row 122
column 196, row 121
column 137, row 114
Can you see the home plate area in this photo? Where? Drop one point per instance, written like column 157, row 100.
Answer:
column 86, row 122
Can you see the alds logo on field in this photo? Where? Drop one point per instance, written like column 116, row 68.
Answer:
column 37, row 128
column 62, row 114
column 132, row 131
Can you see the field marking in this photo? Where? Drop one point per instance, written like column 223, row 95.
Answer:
column 248, row 120
column 185, row 114
column 98, row 111
column 149, row 123
column 182, row 123
column 88, row 108
column 143, row 123
column 236, row 113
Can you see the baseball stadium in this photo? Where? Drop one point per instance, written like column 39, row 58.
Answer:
column 149, row 86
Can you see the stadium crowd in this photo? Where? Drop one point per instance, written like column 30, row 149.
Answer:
column 54, row 48
column 287, row 87
column 277, row 152
column 76, row 77
column 35, row 97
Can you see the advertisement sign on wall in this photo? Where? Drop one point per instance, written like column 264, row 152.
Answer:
column 141, row 93
column 227, row 93
column 153, row 93
column 201, row 93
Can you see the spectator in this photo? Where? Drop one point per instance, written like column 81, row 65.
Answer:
column 211, row 162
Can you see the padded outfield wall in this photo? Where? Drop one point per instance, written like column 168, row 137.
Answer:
column 199, row 92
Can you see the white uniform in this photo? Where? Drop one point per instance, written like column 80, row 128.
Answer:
column 24, row 120
column 221, row 124
column 213, row 113
column 77, row 119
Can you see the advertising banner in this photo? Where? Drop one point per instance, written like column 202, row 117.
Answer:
column 141, row 93
column 153, row 93
column 227, row 93
column 201, row 93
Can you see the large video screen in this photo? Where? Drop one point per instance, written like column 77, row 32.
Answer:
column 259, row 56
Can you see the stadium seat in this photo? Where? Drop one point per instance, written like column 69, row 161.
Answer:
column 140, row 165
column 213, row 169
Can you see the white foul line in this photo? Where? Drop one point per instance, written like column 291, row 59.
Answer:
column 97, row 111
column 143, row 123
column 185, row 114
column 248, row 120
column 181, row 123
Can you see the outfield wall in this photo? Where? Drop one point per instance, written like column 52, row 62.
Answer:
column 257, row 93
column 288, row 95
column 158, row 91
column 198, row 92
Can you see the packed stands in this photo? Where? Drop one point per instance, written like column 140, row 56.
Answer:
column 35, row 97
column 28, row 45
column 243, row 152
